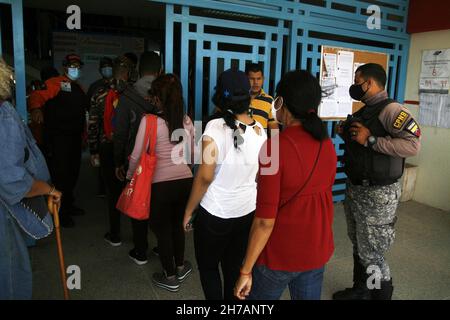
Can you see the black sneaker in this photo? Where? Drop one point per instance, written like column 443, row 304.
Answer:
column 160, row 280
column 155, row 251
column 183, row 273
column 66, row 221
column 112, row 239
column 139, row 259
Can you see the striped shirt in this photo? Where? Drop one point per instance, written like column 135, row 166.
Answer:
column 261, row 107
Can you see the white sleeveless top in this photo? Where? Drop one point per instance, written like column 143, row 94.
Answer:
column 232, row 193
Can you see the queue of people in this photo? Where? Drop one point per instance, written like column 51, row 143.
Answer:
column 257, row 230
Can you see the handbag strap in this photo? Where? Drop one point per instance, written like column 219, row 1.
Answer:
column 150, row 133
column 310, row 174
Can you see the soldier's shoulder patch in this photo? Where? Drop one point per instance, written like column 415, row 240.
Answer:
column 413, row 128
column 400, row 120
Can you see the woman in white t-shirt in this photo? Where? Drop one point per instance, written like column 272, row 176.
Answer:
column 225, row 187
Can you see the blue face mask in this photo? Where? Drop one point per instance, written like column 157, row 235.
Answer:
column 106, row 72
column 73, row 73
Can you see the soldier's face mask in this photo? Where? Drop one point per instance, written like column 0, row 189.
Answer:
column 106, row 72
column 356, row 91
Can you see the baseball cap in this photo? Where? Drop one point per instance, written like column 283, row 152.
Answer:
column 72, row 58
column 232, row 86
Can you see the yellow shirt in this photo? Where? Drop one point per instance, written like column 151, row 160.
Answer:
column 261, row 107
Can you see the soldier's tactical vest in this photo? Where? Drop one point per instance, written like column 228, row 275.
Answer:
column 363, row 165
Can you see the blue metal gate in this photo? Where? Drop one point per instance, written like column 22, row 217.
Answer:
column 19, row 54
column 209, row 36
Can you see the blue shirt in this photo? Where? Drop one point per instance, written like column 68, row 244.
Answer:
column 21, row 161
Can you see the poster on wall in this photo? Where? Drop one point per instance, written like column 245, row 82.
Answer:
column 91, row 48
column 434, row 84
column 435, row 73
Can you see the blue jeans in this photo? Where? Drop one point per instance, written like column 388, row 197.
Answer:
column 15, row 267
column 270, row 284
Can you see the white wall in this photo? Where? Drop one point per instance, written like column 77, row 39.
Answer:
column 433, row 180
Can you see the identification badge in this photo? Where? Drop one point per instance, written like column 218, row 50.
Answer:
column 65, row 86
column 413, row 128
column 400, row 120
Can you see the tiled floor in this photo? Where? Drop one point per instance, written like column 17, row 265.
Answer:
column 419, row 259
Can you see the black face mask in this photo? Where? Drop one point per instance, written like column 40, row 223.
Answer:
column 356, row 91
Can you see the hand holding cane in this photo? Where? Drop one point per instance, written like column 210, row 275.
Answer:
column 54, row 210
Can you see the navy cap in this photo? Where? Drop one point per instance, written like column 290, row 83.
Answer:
column 232, row 85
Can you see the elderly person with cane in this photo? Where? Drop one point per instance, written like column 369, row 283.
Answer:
column 23, row 175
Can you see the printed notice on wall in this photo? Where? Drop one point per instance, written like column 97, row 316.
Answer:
column 336, row 78
column 435, row 73
column 434, row 109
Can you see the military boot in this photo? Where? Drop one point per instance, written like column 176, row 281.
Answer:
column 385, row 292
column 359, row 291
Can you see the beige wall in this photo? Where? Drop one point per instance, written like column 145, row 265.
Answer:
column 433, row 180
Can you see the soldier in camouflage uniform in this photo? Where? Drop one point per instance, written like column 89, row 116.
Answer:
column 101, row 144
column 377, row 139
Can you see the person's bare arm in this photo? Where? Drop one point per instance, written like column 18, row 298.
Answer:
column 203, row 178
column 259, row 235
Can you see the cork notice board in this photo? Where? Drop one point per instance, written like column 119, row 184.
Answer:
column 337, row 69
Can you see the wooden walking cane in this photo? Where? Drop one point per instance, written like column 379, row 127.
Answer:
column 54, row 210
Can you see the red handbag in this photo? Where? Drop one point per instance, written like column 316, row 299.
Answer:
column 135, row 198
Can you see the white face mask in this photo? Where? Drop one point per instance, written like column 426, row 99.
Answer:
column 276, row 102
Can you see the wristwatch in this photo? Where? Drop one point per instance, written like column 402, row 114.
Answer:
column 372, row 140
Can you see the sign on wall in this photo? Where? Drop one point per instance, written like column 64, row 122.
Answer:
column 434, row 87
column 91, row 48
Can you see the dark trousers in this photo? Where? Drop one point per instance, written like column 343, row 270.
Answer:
column 168, row 203
column 113, row 186
column 64, row 155
column 223, row 241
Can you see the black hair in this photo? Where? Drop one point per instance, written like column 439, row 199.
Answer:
column 302, row 94
column 149, row 62
column 169, row 90
column 122, row 66
column 132, row 56
column 253, row 67
column 375, row 71
column 105, row 61
column 229, row 110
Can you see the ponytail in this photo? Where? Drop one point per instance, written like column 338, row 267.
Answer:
column 230, row 120
column 315, row 126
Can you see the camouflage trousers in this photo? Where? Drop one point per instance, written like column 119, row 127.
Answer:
column 371, row 217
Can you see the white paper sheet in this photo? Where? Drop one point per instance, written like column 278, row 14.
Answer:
column 435, row 73
column 330, row 60
column 329, row 108
column 429, row 109
column 444, row 116
column 344, row 74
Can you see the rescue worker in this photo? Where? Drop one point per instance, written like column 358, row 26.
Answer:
column 377, row 139
column 62, row 107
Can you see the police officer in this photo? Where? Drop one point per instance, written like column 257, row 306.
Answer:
column 377, row 139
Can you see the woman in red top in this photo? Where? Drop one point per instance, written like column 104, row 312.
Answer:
column 291, row 238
